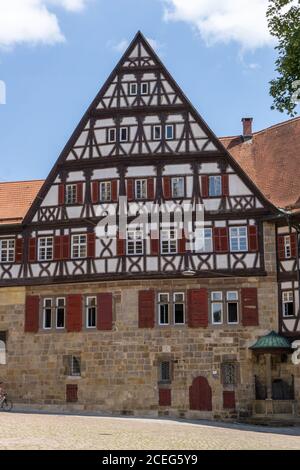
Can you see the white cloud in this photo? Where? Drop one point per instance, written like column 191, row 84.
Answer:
column 240, row 21
column 31, row 21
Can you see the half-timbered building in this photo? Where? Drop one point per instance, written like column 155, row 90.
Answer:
column 151, row 322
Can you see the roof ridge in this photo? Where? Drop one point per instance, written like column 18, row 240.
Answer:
column 22, row 181
column 280, row 124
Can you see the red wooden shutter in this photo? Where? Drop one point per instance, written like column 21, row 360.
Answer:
column 146, row 308
column 150, row 188
column 154, row 242
column 130, row 189
column 204, row 186
column 228, row 400
column 65, row 246
column 252, row 238
column 167, row 187
column 32, row 250
column 32, row 306
column 225, row 185
column 250, row 307
column 120, row 245
column 164, row 395
column 61, row 194
column 280, row 244
column 220, row 236
column 182, row 243
column 74, row 312
column 57, row 248
column 95, row 192
column 71, row 393
column 294, row 245
column 91, row 244
column 19, row 250
column 114, row 190
column 197, row 308
column 79, row 193
column 104, row 311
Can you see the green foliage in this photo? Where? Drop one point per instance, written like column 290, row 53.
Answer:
column 284, row 24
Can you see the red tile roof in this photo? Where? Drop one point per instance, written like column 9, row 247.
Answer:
column 16, row 198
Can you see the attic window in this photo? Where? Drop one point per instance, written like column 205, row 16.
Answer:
column 133, row 89
column 144, row 88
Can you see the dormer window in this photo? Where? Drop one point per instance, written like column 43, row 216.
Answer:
column 144, row 88
column 169, row 133
column 133, row 89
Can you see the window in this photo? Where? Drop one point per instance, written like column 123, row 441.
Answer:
column 112, row 135
column 91, row 312
column 105, row 191
column 75, row 369
column 133, row 89
column 168, row 242
column 178, row 307
column 3, row 347
column 47, row 314
column 203, row 240
column 217, row 308
column 215, row 186
column 71, row 194
column 287, row 246
column 165, row 371
column 135, row 242
column 232, row 307
column 79, row 248
column 157, row 132
column 7, row 251
column 60, row 312
column 288, row 304
column 45, row 249
column 238, row 239
column 229, row 374
column 141, row 189
column 169, row 133
column 144, row 88
column 163, row 309
column 123, row 134
column 178, row 187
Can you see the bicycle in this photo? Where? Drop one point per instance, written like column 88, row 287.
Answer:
column 6, row 404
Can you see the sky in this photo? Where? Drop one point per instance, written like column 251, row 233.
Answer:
column 56, row 54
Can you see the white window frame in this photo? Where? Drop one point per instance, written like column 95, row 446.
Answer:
column 147, row 86
column 238, row 237
column 114, row 131
column 56, row 312
column 87, row 306
column 181, row 303
column 10, row 251
column 287, row 297
column 228, row 301
column 136, row 241
column 174, row 181
column 79, row 244
column 124, row 128
column 71, row 194
column 107, row 191
column 219, row 186
column 131, row 85
column 163, row 303
column 169, row 126
column 219, row 302
column 140, row 181
column 44, row 313
column 157, row 126
column 202, row 235
column 287, row 247
column 44, row 249
column 172, row 237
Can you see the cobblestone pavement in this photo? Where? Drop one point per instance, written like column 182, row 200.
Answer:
column 61, row 431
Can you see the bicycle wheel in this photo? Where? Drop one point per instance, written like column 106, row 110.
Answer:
column 7, row 405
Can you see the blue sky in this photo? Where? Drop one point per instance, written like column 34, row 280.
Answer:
column 54, row 68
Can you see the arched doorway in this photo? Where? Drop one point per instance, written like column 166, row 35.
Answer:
column 200, row 395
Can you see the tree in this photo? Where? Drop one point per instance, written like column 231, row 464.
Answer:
column 284, row 24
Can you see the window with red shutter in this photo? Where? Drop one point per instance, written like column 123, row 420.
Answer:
column 198, row 308
column 91, row 244
column 32, row 306
column 280, row 247
column 121, row 245
column 130, row 189
column 61, row 194
column 220, row 235
column 164, row 395
column 252, row 238
column 74, row 312
column 65, row 246
column 146, row 309
column 293, row 245
column 225, row 185
column 204, row 186
column 167, row 187
column 32, row 250
column 228, row 400
column 57, row 248
column 95, row 192
column 249, row 306
column 150, row 188
column 79, row 193
column 114, row 190
column 19, row 250
column 154, row 241
column 104, row 311
column 182, row 243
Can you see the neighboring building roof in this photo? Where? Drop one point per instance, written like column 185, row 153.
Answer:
column 272, row 341
column 272, row 160
column 16, row 198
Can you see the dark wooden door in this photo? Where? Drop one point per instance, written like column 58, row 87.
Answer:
column 200, row 395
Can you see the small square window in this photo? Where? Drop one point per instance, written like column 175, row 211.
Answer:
column 157, row 132
column 169, row 131
column 124, row 134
